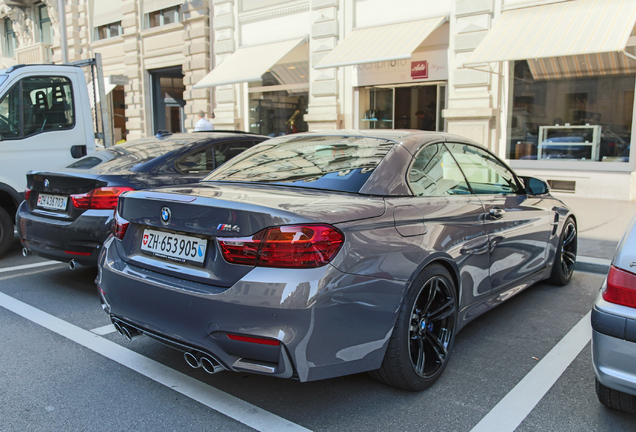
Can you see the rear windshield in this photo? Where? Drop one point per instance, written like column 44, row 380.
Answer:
column 330, row 163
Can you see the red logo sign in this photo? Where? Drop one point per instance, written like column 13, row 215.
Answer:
column 419, row 69
column 145, row 239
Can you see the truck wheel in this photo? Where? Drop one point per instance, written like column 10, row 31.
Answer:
column 6, row 231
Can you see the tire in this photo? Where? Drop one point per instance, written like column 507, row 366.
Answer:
column 615, row 399
column 6, row 231
column 424, row 334
column 565, row 256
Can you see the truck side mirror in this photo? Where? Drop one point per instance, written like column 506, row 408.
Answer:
column 535, row 186
column 78, row 151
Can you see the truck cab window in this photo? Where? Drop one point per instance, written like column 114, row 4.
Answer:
column 10, row 114
column 47, row 104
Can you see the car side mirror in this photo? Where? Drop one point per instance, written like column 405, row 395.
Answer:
column 535, row 186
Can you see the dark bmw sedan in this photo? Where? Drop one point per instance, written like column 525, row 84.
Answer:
column 68, row 213
column 324, row 254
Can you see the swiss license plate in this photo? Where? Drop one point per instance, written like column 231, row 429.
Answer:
column 175, row 247
column 53, row 202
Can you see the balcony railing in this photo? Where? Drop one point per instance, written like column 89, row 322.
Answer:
column 36, row 53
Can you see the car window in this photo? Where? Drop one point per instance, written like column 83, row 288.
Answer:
column 329, row 163
column 225, row 152
column 46, row 103
column 485, row 174
column 198, row 162
column 434, row 172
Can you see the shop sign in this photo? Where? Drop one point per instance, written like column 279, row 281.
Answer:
column 118, row 79
column 421, row 67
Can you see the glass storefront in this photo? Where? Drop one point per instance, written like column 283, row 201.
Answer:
column 277, row 112
column 582, row 119
column 403, row 107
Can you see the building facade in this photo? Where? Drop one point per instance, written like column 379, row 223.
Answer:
column 556, row 101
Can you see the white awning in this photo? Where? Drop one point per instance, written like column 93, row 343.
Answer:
column 572, row 28
column 155, row 5
column 381, row 43
column 106, row 12
column 107, row 89
column 248, row 64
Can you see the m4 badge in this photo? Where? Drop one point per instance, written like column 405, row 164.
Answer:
column 228, row 227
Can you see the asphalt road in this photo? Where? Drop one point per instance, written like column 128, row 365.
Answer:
column 524, row 365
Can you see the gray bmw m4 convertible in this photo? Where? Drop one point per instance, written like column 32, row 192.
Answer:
column 317, row 255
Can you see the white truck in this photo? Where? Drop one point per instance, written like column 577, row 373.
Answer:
column 45, row 122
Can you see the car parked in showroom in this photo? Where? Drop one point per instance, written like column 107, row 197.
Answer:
column 614, row 329
column 317, row 255
column 67, row 214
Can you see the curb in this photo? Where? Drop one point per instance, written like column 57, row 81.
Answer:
column 592, row 265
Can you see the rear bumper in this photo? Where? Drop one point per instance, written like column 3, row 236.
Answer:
column 64, row 240
column 614, row 346
column 328, row 323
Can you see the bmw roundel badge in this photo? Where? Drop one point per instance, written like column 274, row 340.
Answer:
column 46, row 183
column 165, row 215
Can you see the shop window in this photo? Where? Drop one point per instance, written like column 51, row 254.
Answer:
column 9, row 39
column 403, row 107
column 46, row 31
column 107, row 31
column 280, row 111
column 582, row 119
column 163, row 17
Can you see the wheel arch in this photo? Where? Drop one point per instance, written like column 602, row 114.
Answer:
column 10, row 199
column 445, row 261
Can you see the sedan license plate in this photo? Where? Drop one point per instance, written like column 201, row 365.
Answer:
column 175, row 247
column 52, row 202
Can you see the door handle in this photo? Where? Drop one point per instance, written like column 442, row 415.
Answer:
column 497, row 212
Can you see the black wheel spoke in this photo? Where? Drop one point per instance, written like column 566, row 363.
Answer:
column 569, row 256
column 442, row 312
column 437, row 345
column 434, row 286
column 421, row 356
column 571, row 235
column 564, row 268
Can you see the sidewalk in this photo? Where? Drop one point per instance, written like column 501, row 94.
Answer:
column 601, row 224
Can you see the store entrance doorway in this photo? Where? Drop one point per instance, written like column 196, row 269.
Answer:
column 167, row 100
column 403, row 107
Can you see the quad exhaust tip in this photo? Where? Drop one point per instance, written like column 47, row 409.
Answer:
column 127, row 332
column 198, row 360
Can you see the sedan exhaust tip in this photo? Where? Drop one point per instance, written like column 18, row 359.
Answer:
column 72, row 264
column 25, row 252
column 210, row 365
column 192, row 360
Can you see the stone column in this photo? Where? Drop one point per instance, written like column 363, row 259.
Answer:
column 196, row 49
column 132, row 59
column 471, row 111
column 227, row 96
column 324, row 107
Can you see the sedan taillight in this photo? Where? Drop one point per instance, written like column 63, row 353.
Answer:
column 621, row 287
column 27, row 194
column 100, row 199
column 294, row 246
column 120, row 225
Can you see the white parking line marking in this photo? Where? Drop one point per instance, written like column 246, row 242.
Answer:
column 508, row 414
column 107, row 329
column 28, row 266
column 222, row 402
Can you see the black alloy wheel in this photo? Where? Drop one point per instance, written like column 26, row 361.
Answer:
column 565, row 256
column 423, row 337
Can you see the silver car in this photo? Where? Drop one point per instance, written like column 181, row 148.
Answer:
column 317, row 255
column 614, row 329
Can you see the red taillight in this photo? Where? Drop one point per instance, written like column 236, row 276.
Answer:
column 621, row 287
column 27, row 194
column 249, row 339
column 101, row 199
column 120, row 225
column 297, row 246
